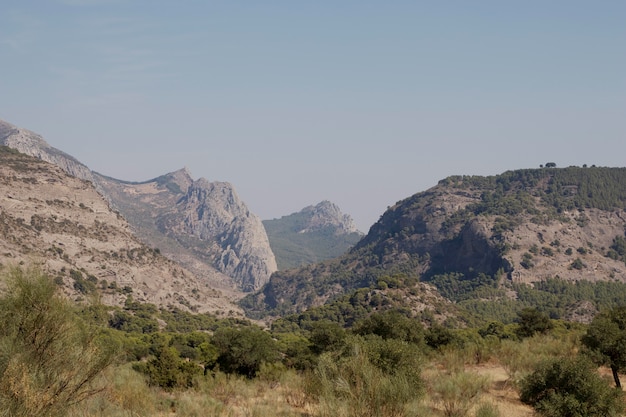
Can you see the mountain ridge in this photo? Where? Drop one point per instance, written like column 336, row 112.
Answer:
column 521, row 226
column 247, row 256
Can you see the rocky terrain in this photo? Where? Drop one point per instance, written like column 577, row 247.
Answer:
column 314, row 234
column 202, row 225
column 61, row 224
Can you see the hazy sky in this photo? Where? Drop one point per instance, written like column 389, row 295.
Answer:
column 359, row 102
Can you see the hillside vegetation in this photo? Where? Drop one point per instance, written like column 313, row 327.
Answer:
column 481, row 241
column 173, row 363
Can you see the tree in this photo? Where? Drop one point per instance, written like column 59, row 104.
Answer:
column 49, row 357
column 391, row 325
column 243, row 350
column 570, row 387
column 606, row 340
column 532, row 321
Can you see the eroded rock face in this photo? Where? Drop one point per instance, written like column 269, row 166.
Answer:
column 197, row 222
column 213, row 212
column 62, row 225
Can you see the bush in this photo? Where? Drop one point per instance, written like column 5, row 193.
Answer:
column 566, row 387
column 358, row 384
column 458, row 392
column 532, row 321
column 49, row 358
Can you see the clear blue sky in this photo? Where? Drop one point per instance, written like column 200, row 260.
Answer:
column 359, row 102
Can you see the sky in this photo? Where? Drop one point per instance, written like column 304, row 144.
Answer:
column 362, row 103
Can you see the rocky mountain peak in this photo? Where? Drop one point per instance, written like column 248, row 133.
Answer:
column 212, row 211
column 327, row 214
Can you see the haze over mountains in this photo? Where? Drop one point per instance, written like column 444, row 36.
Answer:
column 473, row 242
column 316, row 233
column 202, row 225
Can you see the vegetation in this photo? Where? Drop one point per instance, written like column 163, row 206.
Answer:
column 50, row 359
column 388, row 363
column 606, row 340
column 570, row 387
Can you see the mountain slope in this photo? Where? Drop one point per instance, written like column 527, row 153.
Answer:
column 63, row 225
column 521, row 226
column 316, row 233
column 213, row 233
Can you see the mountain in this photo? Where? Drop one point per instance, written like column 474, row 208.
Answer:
column 470, row 234
column 61, row 224
column 197, row 223
column 212, row 232
column 315, row 233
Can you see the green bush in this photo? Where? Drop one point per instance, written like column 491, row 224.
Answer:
column 570, row 387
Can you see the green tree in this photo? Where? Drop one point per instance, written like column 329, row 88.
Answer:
column 606, row 340
column 243, row 350
column 532, row 321
column 391, row 325
column 570, row 387
column 49, row 357
column 167, row 370
column 326, row 336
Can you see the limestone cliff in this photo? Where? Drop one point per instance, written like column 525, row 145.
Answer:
column 197, row 222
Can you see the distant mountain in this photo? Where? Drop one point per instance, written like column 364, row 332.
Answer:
column 202, row 225
column 61, row 224
column 478, row 237
column 316, row 233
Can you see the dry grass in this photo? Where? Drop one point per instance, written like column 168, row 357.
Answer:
column 128, row 395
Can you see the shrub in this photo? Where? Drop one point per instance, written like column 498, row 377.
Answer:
column 570, row 387
column 361, row 384
column 49, row 357
column 532, row 321
column 458, row 392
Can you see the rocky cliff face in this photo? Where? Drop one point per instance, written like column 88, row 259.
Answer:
column 522, row 226
column 197, row 222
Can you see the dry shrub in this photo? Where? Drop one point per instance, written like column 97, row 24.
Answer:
column 457, row 392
